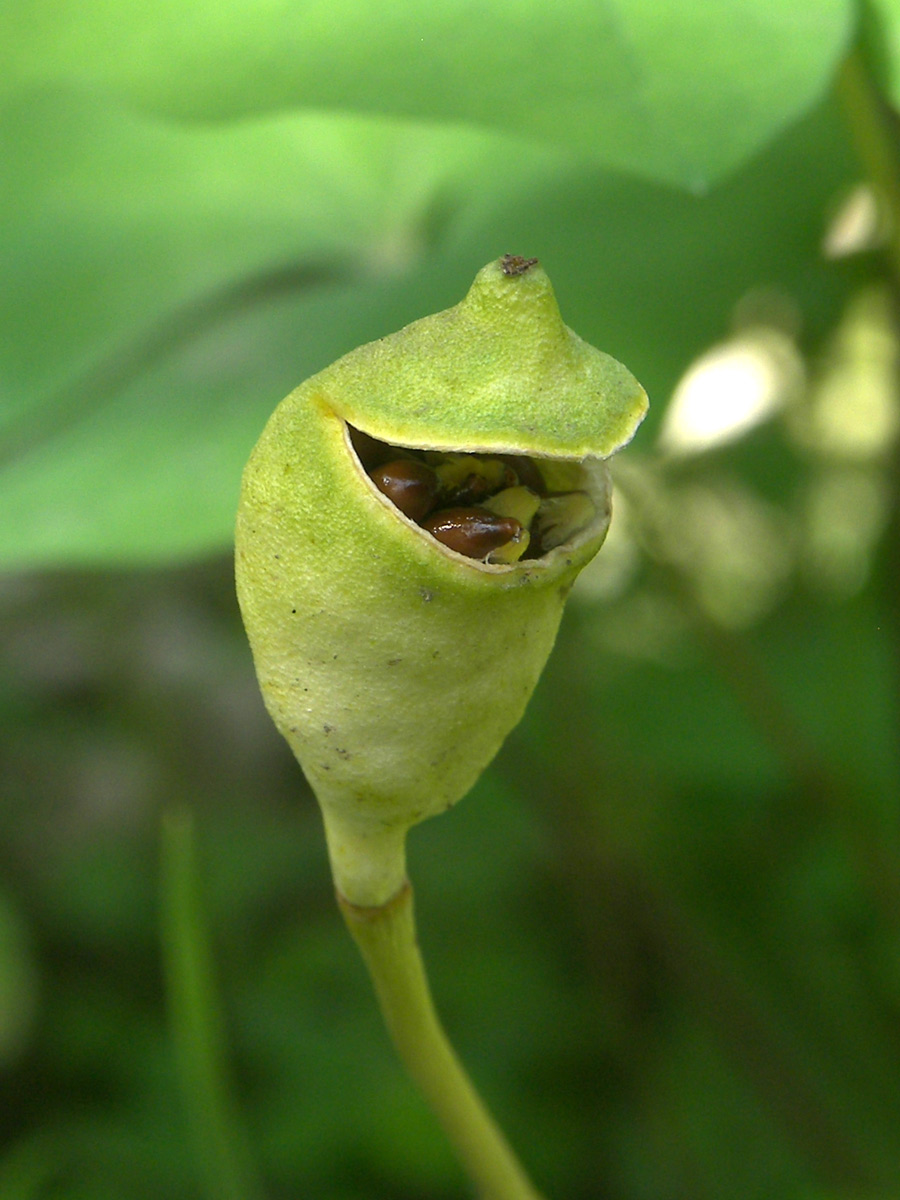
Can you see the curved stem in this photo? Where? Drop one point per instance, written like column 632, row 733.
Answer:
column 386, row 936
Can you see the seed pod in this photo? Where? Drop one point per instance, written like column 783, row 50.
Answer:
column 394, row 666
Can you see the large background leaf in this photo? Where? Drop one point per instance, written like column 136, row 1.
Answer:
column 664, row 926
column 678, row 91
column 165, row 417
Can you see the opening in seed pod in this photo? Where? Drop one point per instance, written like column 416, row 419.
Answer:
column 497, row 509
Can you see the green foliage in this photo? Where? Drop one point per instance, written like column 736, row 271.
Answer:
column 143, row 256
column 687, row 983
column 617, row 82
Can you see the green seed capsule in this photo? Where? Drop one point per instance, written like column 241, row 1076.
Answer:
column 394, row 666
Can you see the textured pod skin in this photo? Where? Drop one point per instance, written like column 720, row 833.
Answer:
column 393, row 666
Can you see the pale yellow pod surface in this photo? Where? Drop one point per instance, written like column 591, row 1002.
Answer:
column 394, row 666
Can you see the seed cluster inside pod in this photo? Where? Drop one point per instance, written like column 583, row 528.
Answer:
column 494, row 508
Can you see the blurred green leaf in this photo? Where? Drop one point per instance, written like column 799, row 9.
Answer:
column 677, row 91
column 130, row 244
column 688, row 852
column 114, row 223
column 167, row 426
column 226, row 1166
column 883, row 26
column 18, row 982
column 27, row 1168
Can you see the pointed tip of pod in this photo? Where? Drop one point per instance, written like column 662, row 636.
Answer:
column 516, row 271
column 514, row 288
column 498, row 372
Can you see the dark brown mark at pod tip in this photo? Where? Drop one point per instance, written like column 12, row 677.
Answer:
column 515, row 264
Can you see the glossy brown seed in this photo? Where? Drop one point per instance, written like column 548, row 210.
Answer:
column 474, row 532
column 410, row 484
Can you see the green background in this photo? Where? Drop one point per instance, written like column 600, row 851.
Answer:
column 664, row 928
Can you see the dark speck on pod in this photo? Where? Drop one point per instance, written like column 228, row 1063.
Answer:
column 474, row 532
column 411, row 485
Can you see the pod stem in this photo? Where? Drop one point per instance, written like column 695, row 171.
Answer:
column 386, row 936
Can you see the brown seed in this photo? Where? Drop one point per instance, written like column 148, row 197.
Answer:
column 526, row 471
column 369, row 450
column 473, row 489
column 474, row 532
column 408, row 483
column 468, row 479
